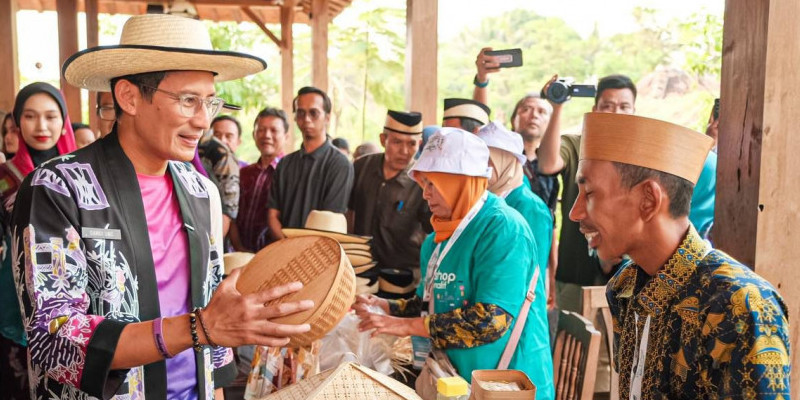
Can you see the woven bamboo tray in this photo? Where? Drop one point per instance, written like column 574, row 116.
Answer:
column 347, row 381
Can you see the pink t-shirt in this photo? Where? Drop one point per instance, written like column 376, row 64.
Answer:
column 170, row 246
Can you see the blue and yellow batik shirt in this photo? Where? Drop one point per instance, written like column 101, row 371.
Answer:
column 716, row 329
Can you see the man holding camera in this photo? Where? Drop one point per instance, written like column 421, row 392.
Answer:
column 577, row 265
column 559, row 154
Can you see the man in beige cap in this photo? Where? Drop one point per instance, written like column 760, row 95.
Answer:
column 118, row 248
column 690, row 322
column 386, row 203
column 466, row 114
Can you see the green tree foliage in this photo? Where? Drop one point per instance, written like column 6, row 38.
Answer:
column 634, row 54
column 548, row 45
column 701, row 39
column 367, row 72
column 255, row 91
column 367, row 63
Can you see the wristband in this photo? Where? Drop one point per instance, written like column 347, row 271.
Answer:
column 480, row 84
column 158, row 335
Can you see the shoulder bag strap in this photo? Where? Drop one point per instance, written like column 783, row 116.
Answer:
column 511, row 346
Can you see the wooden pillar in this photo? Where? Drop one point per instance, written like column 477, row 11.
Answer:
column 67, row 46
column 779, row 211
column 421, row 58
column 757, row 213
column 9, row 62
column 287, row 56
column 287, row 66
column 92, row 40
column 319, row 43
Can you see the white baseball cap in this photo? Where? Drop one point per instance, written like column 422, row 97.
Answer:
column 454, row 151
column 496, row 135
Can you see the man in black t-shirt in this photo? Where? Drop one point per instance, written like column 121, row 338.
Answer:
column 316, row 177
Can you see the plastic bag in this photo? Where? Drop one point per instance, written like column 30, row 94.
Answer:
column 345, row 344
column 273, row 368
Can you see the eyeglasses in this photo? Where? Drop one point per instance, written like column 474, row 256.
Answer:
column 313, row 113
column 190, row 103
column 106, row 113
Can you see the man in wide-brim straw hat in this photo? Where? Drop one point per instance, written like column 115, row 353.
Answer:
column 118, row 248
column 690, row 322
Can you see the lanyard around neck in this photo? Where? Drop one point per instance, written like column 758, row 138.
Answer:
column 437, row 256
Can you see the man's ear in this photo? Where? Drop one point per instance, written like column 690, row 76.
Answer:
column 127, row 96
column 653, row 198
column 383, row 138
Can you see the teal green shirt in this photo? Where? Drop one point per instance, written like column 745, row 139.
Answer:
column 493, row 262
column 539, row 219
column 703, row 196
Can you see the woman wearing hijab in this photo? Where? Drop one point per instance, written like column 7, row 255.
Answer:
column 44, row 132
column 10, row 136
column 508, row 182
column 477, row 267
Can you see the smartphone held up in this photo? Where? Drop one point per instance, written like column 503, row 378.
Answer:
column 506, row 58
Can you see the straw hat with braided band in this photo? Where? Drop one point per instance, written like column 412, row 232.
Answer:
column 330, row 224
column 645, row 142
column 157, row 42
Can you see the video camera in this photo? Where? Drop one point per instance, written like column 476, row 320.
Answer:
column 563, row 89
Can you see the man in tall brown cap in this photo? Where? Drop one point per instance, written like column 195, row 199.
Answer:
column 117, row 246
column 690, row 322
column 386, row 203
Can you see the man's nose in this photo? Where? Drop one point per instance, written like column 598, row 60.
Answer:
column 578, row 211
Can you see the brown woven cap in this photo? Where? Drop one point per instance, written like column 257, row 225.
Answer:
column 157, row 42
column 327, row 276
column 646, row 142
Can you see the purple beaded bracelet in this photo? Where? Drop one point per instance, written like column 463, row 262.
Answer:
column 158, row 335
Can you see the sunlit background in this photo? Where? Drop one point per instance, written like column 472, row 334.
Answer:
column 672, row 50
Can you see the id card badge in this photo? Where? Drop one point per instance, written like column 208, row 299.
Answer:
column 422, row 347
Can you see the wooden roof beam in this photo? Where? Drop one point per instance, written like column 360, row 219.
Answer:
column 253, row 16
column 235, row 3
column 9, row 60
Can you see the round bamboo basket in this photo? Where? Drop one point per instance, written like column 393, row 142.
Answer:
column 327, row 276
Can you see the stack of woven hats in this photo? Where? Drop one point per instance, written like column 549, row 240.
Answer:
column 358, row 249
